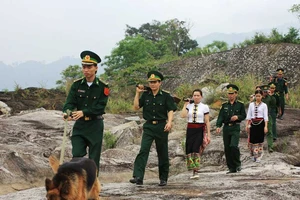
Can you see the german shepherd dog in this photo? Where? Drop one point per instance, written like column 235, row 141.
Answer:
column 74, row 180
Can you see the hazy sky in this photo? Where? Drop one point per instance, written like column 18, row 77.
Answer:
column 43, row 30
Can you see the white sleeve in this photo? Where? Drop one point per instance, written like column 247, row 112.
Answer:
column 249, row 112
column 206, row 109
column 266, row 118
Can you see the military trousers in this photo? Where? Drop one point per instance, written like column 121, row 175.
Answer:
column 153, row 132
column 274, row 129
column 270, row 133
column 282, row 103
column 88, row 134
column 231, row 137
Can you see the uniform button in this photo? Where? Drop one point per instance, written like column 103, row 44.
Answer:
column 87, row 96
column 85, row 104
column 153, row 103
column 153, row 110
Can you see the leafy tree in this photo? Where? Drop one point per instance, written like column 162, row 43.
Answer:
column 131, row 50
column 292, row 36
column 260, row 38
column 70, row 74
column 275, row 37
column 217, row 46
column 172, row 34
column 296, row 9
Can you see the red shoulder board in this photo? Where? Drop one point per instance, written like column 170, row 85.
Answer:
column 106, row 91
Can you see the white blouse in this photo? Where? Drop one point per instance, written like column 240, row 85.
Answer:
column 196, row 112
column 259, row 111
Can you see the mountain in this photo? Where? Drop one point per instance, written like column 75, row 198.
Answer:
column 34, row 73
column 231, row 38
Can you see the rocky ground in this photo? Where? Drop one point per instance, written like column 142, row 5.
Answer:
column 28, row 138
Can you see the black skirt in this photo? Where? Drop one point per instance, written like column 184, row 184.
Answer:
column 194, row 139
column 257, row 134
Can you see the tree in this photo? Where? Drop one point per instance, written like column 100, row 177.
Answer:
column 131, row 50
column 70, row 74
column 173, row 34
column 292, row 36
column 296, row 9
column 217, row 46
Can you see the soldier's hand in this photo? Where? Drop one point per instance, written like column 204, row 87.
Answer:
column 168, row 127
column 233, row 118
column 218, row 130
column 140, row 88
column 77, row 114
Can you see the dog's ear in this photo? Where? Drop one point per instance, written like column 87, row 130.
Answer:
column 49, row 184
column 65, row 188
column 54, row 163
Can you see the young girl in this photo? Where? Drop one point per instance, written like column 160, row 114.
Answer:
column 197, row 115
column 257, row 126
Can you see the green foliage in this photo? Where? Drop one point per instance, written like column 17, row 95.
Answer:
column 119, row 105
column 130, row 51
column 70, row 74
column 296, row 9
column 5, row 90
column 294, row 98
column 17, row 87
column 217, row 46
column 109, row 140
column 172, row 36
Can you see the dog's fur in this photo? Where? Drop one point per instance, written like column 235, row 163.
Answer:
column 74, row 180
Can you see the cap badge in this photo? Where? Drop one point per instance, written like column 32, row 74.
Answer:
column 152, row 76
column 87, row 57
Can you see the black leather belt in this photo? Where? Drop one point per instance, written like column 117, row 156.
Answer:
column 89, row 118
column 156, row 121
column 232, row 124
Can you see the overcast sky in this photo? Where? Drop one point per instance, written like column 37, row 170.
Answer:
column 48, row 30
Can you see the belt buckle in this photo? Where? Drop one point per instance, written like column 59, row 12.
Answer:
column 86, row 118
column 154, row 122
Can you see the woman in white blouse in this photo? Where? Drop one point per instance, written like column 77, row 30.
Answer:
column 257, row 126
column 197, row 115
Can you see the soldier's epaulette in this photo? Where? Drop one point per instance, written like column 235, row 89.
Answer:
column 284, row 78
column 240, row 101
column 224, row 102
column 80, row 79
column 165, row 91
column 103, row 81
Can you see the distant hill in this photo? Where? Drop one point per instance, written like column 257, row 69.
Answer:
column 34, row 73
column 236, row 38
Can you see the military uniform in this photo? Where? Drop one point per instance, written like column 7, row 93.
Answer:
column 274, row 111
column 282, row 89
column 271, row 103
column 91, row 100
column 231, row 130
column 155, row 112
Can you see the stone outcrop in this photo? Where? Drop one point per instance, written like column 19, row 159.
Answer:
column 261, row 60
column 27, row 139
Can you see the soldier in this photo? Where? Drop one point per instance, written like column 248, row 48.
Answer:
column 158, row 108
column 274, row 109
column 271, row 103
column 231, row 114
column 281, row 87
column 87, row 100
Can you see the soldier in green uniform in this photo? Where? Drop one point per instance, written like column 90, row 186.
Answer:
column 281, row 87
column 87, row 100
column 158, row 108
column 274, row 109
column 271, row 103
column 231, row 114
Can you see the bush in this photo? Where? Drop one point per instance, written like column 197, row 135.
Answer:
column 109, row 140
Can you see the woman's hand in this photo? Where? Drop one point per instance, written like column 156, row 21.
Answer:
column 266, row 130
